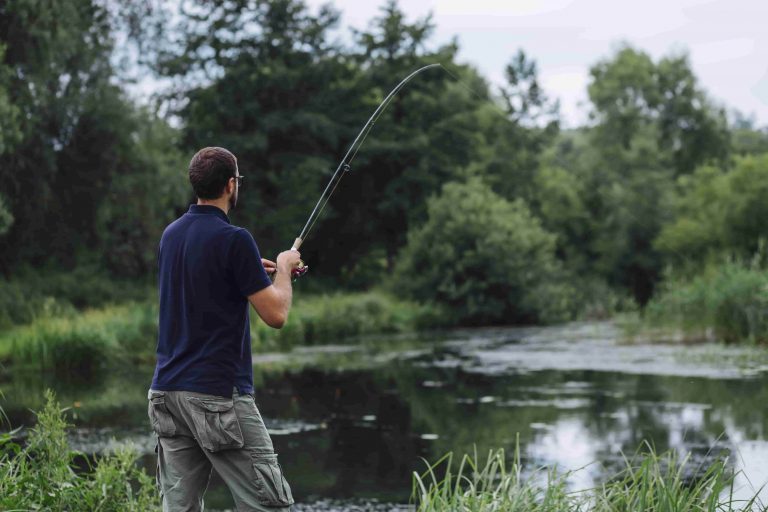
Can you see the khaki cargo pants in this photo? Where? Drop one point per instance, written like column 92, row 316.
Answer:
column 197, row 432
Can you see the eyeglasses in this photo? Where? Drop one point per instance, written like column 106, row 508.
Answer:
column 239, row 180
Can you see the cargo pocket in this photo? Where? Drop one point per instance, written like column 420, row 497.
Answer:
column 271, row 487
column 162, row 421
column 216, row 423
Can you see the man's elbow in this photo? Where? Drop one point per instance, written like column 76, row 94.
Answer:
column 276, row 321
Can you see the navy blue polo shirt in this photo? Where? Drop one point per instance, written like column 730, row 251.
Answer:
column 207, row 270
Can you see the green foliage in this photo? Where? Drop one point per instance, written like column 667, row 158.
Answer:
column 731, row 298
column 43, row 476
column 340, row 317
column 719, row 212
column 748, row 141
column 6, row 217
column 650, row 481
column 83, row 343
column 89, row 179
column 157, row 185
column 476, row 487
column 630, row 92
column 9, row 113
column 45, row 293
column 76, row 141
column 486, row 259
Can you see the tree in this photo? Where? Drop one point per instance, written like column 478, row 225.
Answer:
column 630, row 92
column 261, row 79
column 529, row 122
column 72, row 130
column 485, row 258
column 429, row 133
column 653, row 123
column 718, row 212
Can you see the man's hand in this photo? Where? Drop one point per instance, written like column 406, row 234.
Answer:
column 273, row 302
column 269, row 265
column 288, row 260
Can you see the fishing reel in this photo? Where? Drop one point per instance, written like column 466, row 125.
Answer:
column 300, row 270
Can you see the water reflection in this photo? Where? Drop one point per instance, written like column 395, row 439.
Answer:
column 357, row 427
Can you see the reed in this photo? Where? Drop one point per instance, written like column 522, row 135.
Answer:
column 649, row 482
column 81, row 343
column 729, row 300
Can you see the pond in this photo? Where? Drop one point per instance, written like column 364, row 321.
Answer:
column 351, row 423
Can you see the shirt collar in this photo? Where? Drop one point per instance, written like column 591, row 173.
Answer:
column 209, row 209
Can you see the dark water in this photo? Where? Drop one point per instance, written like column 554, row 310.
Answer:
column 351, row 424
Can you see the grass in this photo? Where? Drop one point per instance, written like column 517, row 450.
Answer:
column 341, row 317
column 649, row 482
column 727, row 302
column 72, row 342
column 83, row 342
column 42, row 474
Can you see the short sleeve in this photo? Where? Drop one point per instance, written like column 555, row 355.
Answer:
column 245, row 262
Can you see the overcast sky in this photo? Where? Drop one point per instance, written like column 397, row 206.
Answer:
column 727, row 40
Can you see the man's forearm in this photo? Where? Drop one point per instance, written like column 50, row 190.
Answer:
column 282, row 284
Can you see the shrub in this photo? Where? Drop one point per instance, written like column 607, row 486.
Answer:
column 487, row 260
column 42, row 475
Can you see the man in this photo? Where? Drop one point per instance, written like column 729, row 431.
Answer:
column 201, row 402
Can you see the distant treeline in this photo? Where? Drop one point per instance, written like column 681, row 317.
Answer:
column 465, row 194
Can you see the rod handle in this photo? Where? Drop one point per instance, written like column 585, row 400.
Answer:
column 296, row 244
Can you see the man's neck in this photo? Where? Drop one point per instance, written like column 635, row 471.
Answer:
column 222, row 204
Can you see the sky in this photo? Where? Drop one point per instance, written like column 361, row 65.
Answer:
column 727, row 40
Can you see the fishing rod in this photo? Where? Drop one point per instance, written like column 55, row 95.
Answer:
column 345, row 166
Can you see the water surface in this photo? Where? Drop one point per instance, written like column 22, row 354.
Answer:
column 351, row 423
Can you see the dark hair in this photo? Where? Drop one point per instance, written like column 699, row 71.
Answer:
column 209, row 171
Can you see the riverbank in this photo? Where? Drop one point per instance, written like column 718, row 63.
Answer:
column 360, row 417
column 724, row 302
column 68, row 341
column 44, row 472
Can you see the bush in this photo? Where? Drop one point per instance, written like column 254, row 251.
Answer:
column 42, row 475
column 488, row 261
column 730, row 298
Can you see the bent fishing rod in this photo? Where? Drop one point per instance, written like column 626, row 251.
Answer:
column 345, row 166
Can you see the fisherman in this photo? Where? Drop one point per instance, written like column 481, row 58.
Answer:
column 201, row 402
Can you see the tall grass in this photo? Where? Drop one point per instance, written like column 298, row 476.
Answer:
column 729, row 300
column 492, row 486
column 33, row 293
column 42, row 475
column 333, row 318
column 650, row 482
column 80, row 343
